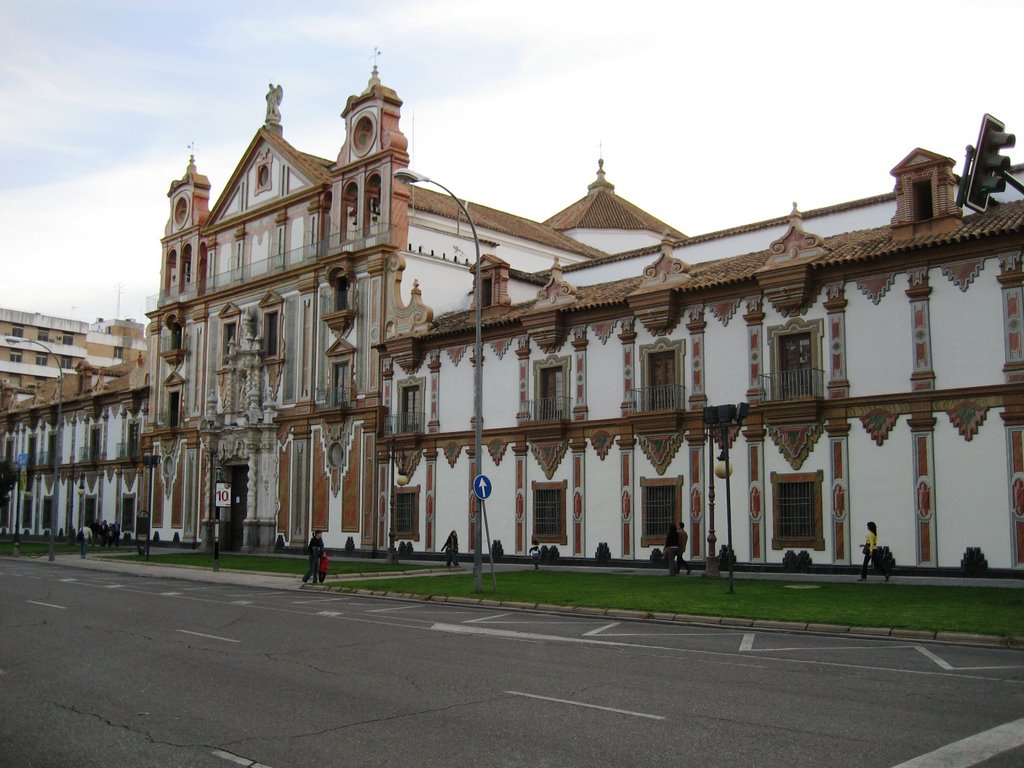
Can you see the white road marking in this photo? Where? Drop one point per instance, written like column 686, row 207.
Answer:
column 485, row 619
column 392, row 610
column 330, row 614
column 212, row 637
column 241, row 602
column 47, row 605
column 629, row 712
column 928, row 654
column 169, row 594
column 114, row 586
column 68, row 580
column 600, row 630
column 972, row 750
column 237, row 759
column 748, row 642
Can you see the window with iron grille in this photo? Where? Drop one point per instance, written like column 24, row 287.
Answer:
column 549, row 512
column 47, row 513
column 405, row 514
column 659, row 510
column 796, row 508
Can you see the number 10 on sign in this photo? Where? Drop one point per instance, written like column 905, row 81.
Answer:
column 223, row 494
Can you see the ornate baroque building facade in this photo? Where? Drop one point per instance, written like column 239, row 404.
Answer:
column 313, row 339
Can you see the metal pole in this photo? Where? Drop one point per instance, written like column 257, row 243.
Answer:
column 711, row 567
column 728, row 500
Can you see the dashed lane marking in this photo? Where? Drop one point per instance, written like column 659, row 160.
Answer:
column 47, row 605
column 211, row 637
column 615, row 710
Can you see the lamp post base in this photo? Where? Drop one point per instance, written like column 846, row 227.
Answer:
column 711, row 567
column 392, row 556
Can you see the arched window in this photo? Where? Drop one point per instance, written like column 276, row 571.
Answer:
column 350, row 213
column 373, row 208
column 170, row 270
column 203, row 267
column 186, row 267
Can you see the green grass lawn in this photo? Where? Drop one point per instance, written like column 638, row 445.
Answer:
column 984, row 610
column 286, row 564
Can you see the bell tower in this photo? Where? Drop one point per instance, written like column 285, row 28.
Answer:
column 369, row 208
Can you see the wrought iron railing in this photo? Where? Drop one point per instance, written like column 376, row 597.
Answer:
column 664, row 397
column 794, row 385
column 544, row 409
column 403, row 424
column 333, row 397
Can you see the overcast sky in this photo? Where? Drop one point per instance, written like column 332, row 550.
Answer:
column 708, row 115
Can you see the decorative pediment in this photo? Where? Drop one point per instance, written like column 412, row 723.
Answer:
column 786, row 276
column 557, row 292
column 660, row 449
column 549, row 456
column 602, row 440
column 229, row 310
column 271, row 300
column 340, row 348
column 414, row 317
column 174, row 380
column 795, row 441
column 656, row 302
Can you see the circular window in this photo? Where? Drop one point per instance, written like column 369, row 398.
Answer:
column 335, row 455
column 362, row 136
column 263, row 176
column 180, row 211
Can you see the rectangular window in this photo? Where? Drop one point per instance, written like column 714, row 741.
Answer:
column 95, row 443
column 796, row 509
column 43, row 334
column 133, row 439
column 173, row 406
column 551, row 404
column 795, row 376
column 90, row 510
column 410, row 409
column 659, row 511
column 42, row 358
column 26, row 512
column 228, row 340
column 406, row 520
column 127, row 513
column 119, row 353
column 47, row 512
column 270, row 320
column 339, row 385
column 15, row 356
column 68, row 339
column 486, row 292
column 549, row 513
column 66, row 361
column 18, row 330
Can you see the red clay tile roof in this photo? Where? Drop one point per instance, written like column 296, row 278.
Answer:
column 603, row 209
column 440, row 204
column 848, row 247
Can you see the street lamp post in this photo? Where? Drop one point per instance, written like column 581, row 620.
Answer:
column 724, row 417
column 409, row 176
column 59, row 436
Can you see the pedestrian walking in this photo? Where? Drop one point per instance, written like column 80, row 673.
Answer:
column 674, row 543
column 314, row 550
column 535, row 553
column 325, row 563
column 872, row 554
column 84, row 537
column 451, row 546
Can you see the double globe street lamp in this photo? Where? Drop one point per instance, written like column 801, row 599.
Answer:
column 409, row 176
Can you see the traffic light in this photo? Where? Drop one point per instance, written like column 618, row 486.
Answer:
column 987, row 173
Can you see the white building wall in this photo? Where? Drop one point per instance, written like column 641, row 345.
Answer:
column 879, row 341
column 966, row 330
column 970, row 496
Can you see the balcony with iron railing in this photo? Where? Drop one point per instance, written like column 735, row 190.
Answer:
column 333, row 244
column 403, row 424
column 544, row 409
column 800, row 384
column 129, row 450
column 332, row 397
column 664, row 397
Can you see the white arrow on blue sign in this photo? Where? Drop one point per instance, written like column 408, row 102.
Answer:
column 482, row 486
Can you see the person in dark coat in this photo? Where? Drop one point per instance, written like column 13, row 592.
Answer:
column 314, row 550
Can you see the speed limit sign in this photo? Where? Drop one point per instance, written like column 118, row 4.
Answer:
column 223, row 494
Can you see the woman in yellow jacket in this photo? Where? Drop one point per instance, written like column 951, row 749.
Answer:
column 872, row 554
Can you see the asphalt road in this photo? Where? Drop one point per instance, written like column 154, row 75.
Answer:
column 108, row 668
